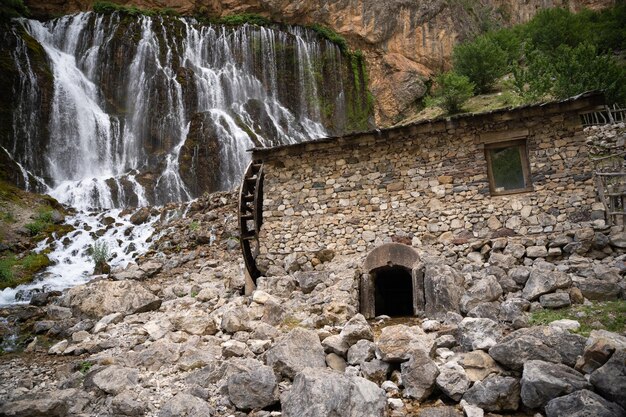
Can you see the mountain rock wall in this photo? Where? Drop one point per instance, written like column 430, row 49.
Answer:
column 404, row 41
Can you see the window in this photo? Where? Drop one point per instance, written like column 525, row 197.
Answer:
column 507, row 167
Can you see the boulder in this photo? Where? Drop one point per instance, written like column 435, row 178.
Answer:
column 375, row 370
column 419, row 375
column 478, row 365
column 599, row 347
column 599, row 290
column 308, row 280
column 185, row 405
column 194, row 322
column 583, row 403
column 610, row 379
column 100, row 298
column 443, row 289
column 336, row 362
column 556, row 300
column 300, row 349
column 356, row 329
column 360, row 352
column 512, row 310
column 543, row 381
column 495, row 393
column 542, row 281
column 397, row 343
column 486, row 311
column 484, row 290
column 550, row 343
column 51, row 404
column 325, row 393
column 514, row 352
column 235, row 320
column 115, row 379
column 126, row 404
column 478, row 333
column 452, row 380
column 336, row 344
column 140, row 216
column 252, row 386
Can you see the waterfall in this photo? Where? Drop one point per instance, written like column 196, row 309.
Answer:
column 149, row 110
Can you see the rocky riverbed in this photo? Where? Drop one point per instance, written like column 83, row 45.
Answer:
column 173, row 334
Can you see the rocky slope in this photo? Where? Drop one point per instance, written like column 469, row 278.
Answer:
column 404, row 41
column 174, row 336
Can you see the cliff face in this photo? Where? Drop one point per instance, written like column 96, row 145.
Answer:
column 404, row 41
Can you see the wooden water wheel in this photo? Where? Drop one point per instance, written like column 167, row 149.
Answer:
column 251, row 216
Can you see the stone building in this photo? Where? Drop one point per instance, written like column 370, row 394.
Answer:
column 512, row 172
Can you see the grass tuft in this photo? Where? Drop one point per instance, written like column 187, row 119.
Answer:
column 611, row 315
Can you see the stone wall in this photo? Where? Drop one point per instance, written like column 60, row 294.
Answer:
column 426, row 183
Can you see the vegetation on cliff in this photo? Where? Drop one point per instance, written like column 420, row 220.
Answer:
column 12, row 8
column 556, row 55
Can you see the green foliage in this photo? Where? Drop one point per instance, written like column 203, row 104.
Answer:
column 42, row 222
column 558, row 54
column 581, row 69
column 84, row 367
column 611, row 315
column 12, row 8
column 481, row 60
column 452, row 91
column 7, row 217
column 551, row 28
column 242, row 19
column 15, row 271
column 107, row 7
column 333, row 37
column 6, row 270
column 100, row 252
column 194, row 226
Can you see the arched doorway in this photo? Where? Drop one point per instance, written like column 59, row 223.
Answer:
column 393, row 291
column 392, row 283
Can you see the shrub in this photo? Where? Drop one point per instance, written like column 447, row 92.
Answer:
column 580, row 69
column 333, row 37
column 100, row 252
column 551, row 28
column 12, row 8
column 243, row 18
column 6, row 269
column 481, row 60
column 452, row 91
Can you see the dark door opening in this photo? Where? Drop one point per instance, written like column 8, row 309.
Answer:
column 393, row 291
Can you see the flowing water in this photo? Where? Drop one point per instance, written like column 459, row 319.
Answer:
column 126, row 111
column 130, row 94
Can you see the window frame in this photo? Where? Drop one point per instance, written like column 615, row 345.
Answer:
column 522, row 147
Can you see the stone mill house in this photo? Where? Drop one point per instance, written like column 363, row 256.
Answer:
column 523, row 173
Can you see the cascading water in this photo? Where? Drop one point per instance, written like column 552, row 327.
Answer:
column 142, row 96
column 111, row 111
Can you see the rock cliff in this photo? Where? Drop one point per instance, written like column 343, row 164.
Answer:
column 404, row 41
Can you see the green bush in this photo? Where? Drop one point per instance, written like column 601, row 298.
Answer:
column 42, row 222
column 580, row 69
column 481, row 60
column 100, row 252
column 6, row 270
column 551, row 28
column 12, row 8
column 568, row 72
column 333, row 37
column 107, row 7
column 243, row 18
column 452, row 91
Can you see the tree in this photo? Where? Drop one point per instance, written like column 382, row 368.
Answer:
column 481, row 60
column 452, row 91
